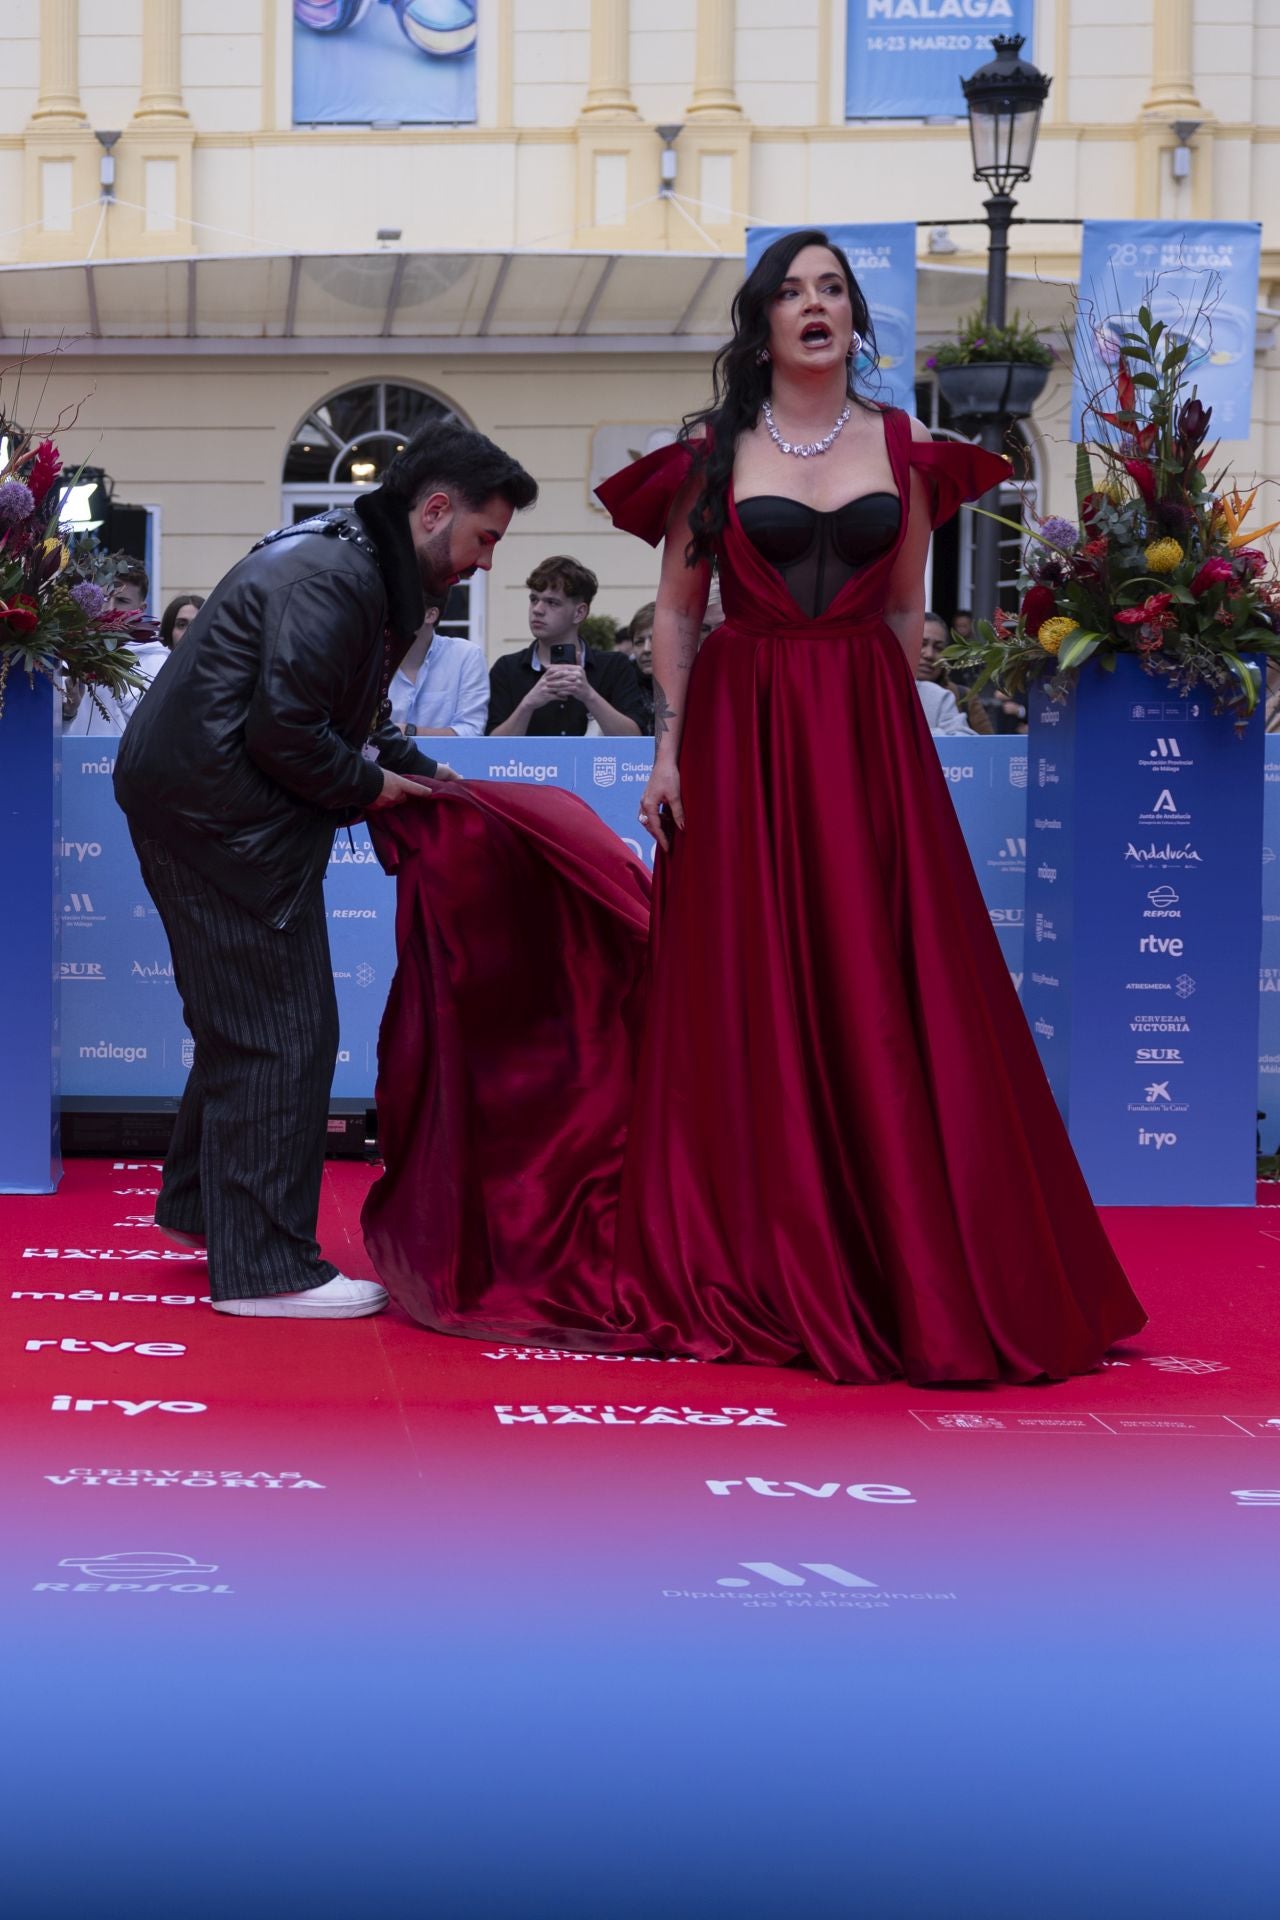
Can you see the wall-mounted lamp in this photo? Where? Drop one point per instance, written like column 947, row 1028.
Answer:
column 387, row 236
column 667, row 176
column 107, row 166
column 1183, row 132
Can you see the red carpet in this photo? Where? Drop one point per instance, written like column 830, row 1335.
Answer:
column 545, row 1618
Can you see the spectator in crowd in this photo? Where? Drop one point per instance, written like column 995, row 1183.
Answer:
column 442, row 684
column 930, row 666
column 559, row 685
column 962, row 624
column 940, row 709
column 642, row 654
column 177, row 617
column 131, row 586
column 622, row 642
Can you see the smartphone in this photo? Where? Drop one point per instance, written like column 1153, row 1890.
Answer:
column 564, row 653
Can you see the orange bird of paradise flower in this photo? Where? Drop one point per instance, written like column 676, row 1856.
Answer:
column 1235, row 509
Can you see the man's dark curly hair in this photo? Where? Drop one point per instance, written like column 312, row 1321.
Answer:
column 447, row 457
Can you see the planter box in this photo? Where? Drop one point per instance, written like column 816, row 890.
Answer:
column 1143, row 931
column 30, row 831
column 992, row 390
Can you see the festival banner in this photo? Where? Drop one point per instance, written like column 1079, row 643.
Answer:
column 883, row 258
column 905, row 59
column 395, row 62
column 1200, row 277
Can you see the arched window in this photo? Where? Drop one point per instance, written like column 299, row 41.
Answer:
column 344, row 446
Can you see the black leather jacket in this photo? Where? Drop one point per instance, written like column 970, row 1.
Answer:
column 245, row 755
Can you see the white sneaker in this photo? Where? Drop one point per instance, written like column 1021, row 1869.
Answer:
column 338, row 1299
column 189, row 1242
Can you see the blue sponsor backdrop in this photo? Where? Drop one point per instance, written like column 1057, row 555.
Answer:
column 123, row 1029
column 1199, row 277
column 905, row 58
column 883, row 258
column 1143, row 928
column 123, row 1032
column 413, row 63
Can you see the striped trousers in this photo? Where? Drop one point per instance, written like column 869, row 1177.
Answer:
column 247, row 1156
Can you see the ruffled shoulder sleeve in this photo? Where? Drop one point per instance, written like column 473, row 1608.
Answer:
column 639, row 498
column 954, row 472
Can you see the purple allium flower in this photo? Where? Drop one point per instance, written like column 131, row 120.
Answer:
column 90, row 598
column 17, row 503
column 932, row 361
column 1060, row 532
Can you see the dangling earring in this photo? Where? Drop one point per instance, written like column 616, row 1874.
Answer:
column 855, row 348
column 763, row 357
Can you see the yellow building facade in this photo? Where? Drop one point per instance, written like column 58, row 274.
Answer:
column 247, row 310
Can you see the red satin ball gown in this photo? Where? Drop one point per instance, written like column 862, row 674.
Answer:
column 799, row 1116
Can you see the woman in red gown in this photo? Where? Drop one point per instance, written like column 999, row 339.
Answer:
column 814, row 1126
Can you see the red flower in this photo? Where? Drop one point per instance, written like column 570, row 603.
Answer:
column 21, row 615
column 1250, row 562
column 1037, row 608
column 1214, row 573
column 1153, row 612
column 46, row 465
column 1139, row 471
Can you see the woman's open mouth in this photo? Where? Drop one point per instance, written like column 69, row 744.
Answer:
column 816, row 334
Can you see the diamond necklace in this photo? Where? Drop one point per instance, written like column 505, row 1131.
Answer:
column 815, row 446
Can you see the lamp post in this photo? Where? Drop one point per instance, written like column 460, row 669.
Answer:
column 1004, row 100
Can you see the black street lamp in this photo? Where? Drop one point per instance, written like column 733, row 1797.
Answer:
column 1004, row 99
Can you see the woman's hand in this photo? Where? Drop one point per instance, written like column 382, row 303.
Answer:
column 662, row 804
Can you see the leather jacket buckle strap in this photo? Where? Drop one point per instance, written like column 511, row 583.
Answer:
column 337, row 524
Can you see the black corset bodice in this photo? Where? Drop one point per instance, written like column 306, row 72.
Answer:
column 816, row 553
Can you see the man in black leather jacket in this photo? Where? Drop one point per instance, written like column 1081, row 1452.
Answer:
column 264, row 732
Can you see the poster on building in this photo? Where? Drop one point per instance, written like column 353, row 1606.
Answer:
column 1200, row 277
column 905, row 59
column 883, row 259
column 384, row 62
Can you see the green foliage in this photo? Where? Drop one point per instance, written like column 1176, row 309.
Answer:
column 977, row 344
column 599, row 630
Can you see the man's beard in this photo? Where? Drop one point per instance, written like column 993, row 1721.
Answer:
column 438, row 568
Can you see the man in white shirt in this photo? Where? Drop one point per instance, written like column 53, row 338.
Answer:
column 441, row 686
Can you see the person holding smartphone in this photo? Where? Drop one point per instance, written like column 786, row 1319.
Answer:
column 558, row 684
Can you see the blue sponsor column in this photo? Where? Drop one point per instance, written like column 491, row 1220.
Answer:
column 30, row 806
column 1269, row 972
column 1144, row 866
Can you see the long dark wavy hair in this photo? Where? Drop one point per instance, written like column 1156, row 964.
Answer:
column 741, row 382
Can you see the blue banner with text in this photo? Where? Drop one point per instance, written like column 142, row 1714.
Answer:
column 1200, row 277
column 1144, row 924
column 905, row 59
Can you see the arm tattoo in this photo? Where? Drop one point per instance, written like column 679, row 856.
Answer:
column 663, row 711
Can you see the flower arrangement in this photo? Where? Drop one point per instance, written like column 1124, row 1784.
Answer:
column 978, row 344
column 1160, row 562
column 54, row 614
